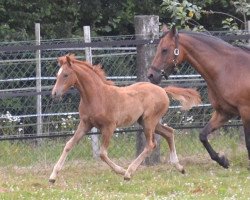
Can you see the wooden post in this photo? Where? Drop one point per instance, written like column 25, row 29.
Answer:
column 39, row 126
column 146, row 27
column 88, row 56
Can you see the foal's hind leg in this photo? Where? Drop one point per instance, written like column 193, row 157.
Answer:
column 150, row 145
column 167, row 133
column 106, row 136
column 80, row 132
column 217, row 120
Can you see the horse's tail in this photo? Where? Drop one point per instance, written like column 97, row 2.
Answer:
column 188, row 97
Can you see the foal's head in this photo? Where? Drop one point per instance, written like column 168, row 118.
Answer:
column 167, row 56
column 65, row 77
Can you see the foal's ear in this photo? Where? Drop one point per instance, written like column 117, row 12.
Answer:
column 68, row 59
column 60, row 61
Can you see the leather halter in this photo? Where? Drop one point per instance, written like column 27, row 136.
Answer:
column 176, row 50
column 175, row 61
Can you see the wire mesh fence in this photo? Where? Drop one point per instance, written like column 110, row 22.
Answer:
column 18, row 103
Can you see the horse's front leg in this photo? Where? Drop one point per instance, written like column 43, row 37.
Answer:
column 167, row 133
column 80, row 132
column 217, row 120
column 107, row 133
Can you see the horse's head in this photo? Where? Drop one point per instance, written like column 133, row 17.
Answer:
column 65, row 78
column 167, row 56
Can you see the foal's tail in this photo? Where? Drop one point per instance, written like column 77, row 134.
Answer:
column 188, row 97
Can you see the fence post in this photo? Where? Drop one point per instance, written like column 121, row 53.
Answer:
column 88, row 56
column 146, row 27
column 39, row 126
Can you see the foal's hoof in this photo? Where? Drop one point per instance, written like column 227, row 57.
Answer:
column 52, row 181
column 127, row 177
column 223, row 161
column 183, row 171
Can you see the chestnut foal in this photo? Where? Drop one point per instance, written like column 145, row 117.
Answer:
column 106, row 107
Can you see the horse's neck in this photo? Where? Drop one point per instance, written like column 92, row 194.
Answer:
column 207, row 60
column 89, row 85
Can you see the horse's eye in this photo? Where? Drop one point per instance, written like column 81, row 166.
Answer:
column 65, row 75
column 165, row 50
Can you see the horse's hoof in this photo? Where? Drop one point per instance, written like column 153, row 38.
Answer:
column 224, row 162
column 52, row 181
column 183, row 171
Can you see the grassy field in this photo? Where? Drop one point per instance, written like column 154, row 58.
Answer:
column 203, row 180
column 24, row 172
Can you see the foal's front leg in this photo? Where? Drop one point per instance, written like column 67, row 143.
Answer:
column 80, row 132
column 107, row 133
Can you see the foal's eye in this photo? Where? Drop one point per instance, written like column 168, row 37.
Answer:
column 165, row 50
column 65, row 75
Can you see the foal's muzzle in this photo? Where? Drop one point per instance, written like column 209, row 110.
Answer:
column 56, row 95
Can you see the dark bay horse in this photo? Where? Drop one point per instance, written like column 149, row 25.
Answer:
column 106, row 107
column 226, row 70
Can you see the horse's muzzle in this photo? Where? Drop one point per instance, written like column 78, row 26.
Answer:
column 154, row 75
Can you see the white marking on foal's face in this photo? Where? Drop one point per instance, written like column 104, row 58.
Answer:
column 59, row 72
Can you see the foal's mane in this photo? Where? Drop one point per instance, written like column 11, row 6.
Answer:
column 95, row 68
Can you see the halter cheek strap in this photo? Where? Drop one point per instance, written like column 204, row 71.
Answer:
column 176, row 50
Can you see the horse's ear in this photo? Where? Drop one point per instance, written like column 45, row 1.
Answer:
column 174, row 30
column 164, row 28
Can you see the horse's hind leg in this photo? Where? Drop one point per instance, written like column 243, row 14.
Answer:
column 150, row 145
column 247, row 139
column 167, row 133
column 246, row 124
column 80, row 132
column 217, row 120
column 106, row 136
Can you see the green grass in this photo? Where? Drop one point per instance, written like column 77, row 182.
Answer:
column 92, row 181
column 25, row 168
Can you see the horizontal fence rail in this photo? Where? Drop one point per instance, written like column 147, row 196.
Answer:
column 80, row 45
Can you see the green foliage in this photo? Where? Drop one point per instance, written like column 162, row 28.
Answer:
column 191, row 15
column 181, row 12
column 242, row 6
column 230, row 24
column 60, row 19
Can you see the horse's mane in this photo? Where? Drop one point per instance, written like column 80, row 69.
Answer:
column 205, row 37
column 96, row 68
